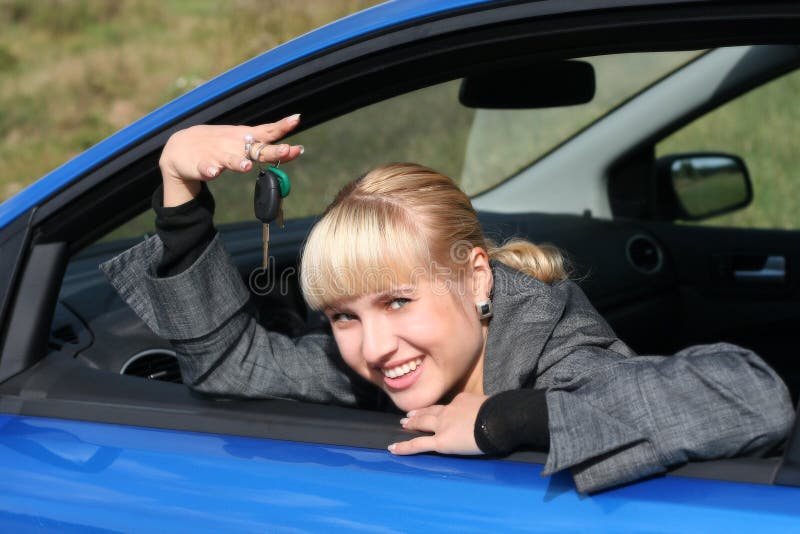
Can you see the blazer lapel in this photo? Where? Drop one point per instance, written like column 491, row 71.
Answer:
column 525, row 312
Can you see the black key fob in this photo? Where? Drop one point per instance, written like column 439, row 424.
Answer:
column 267, row 197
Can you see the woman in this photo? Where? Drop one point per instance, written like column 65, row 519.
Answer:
column 487, row 349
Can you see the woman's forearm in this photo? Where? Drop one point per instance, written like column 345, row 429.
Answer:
column 185, row 230
column 513, row 419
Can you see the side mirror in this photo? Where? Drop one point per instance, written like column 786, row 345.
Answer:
column 696, row 186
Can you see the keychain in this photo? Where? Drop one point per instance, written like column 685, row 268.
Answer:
column 272, row 186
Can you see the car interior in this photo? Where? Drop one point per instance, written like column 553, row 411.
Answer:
column 661, row 277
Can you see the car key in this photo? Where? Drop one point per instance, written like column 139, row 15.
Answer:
column 272, row 185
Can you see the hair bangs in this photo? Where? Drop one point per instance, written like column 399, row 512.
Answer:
column 362, row 246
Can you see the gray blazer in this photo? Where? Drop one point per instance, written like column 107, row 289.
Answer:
column 614, row 417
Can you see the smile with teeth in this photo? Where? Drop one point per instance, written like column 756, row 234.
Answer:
column 400, row 370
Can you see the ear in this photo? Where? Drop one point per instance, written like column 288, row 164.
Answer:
column 482, row 279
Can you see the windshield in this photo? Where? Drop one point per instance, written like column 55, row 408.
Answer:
column 503, row 142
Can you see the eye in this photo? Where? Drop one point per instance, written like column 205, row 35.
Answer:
column 340, row 317
column 397, row 303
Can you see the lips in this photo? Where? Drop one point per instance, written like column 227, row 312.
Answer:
column 404, row 375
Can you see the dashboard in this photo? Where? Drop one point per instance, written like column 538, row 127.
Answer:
column 97, row 328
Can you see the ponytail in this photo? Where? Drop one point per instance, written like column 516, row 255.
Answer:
column 543, row 262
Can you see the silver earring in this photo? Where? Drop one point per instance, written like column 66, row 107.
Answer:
column 484, row 309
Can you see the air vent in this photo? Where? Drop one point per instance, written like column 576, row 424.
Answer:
column 644, row 254
column 157, row 364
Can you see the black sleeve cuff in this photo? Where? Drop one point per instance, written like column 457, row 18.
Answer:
column 185, row 230
column 511, row 419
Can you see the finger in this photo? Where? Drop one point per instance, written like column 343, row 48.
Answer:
column 294, row 152
column 413, row 446
column 267, row 152
column 425, row 423
column 276, row 130
column 238, row 163
column 208, row 170
column 434, row 409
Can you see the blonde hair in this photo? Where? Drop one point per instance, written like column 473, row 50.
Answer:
column 398, row 221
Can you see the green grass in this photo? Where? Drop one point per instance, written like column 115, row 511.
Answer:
column 73, row 72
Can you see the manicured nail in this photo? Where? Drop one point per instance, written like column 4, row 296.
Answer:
column 391, row 447
column 283, row 149
column 404, row 420
column 295, row 118
column 244, row 164
column 302, row 150
column 212, row 171
column 411, row 413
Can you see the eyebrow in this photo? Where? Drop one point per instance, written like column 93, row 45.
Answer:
column 399, row 290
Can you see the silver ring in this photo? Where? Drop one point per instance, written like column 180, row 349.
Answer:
column 258, row 151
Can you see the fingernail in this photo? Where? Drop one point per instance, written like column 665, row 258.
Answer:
column 283, row 149
column 212, row 171
column 295, row 118
column 244, row 164
column 391, row 447
column 302, row 150
column 404, row 420
column 411, row 413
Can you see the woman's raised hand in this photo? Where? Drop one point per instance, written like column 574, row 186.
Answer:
column 201, row 153
column 452, row 425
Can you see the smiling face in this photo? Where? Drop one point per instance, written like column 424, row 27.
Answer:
column 397, row 263
column 419, row 343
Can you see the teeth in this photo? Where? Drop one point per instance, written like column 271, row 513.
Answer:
column 400, row 370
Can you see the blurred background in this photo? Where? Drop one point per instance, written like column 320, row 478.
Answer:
column 73, row 72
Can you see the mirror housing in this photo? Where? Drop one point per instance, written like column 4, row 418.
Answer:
column 543, row 85
column 698, row 185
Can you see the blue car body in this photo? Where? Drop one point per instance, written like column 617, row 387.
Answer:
column 65, row 475
column 70, row 476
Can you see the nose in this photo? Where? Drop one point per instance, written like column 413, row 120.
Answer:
column 378, row 341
